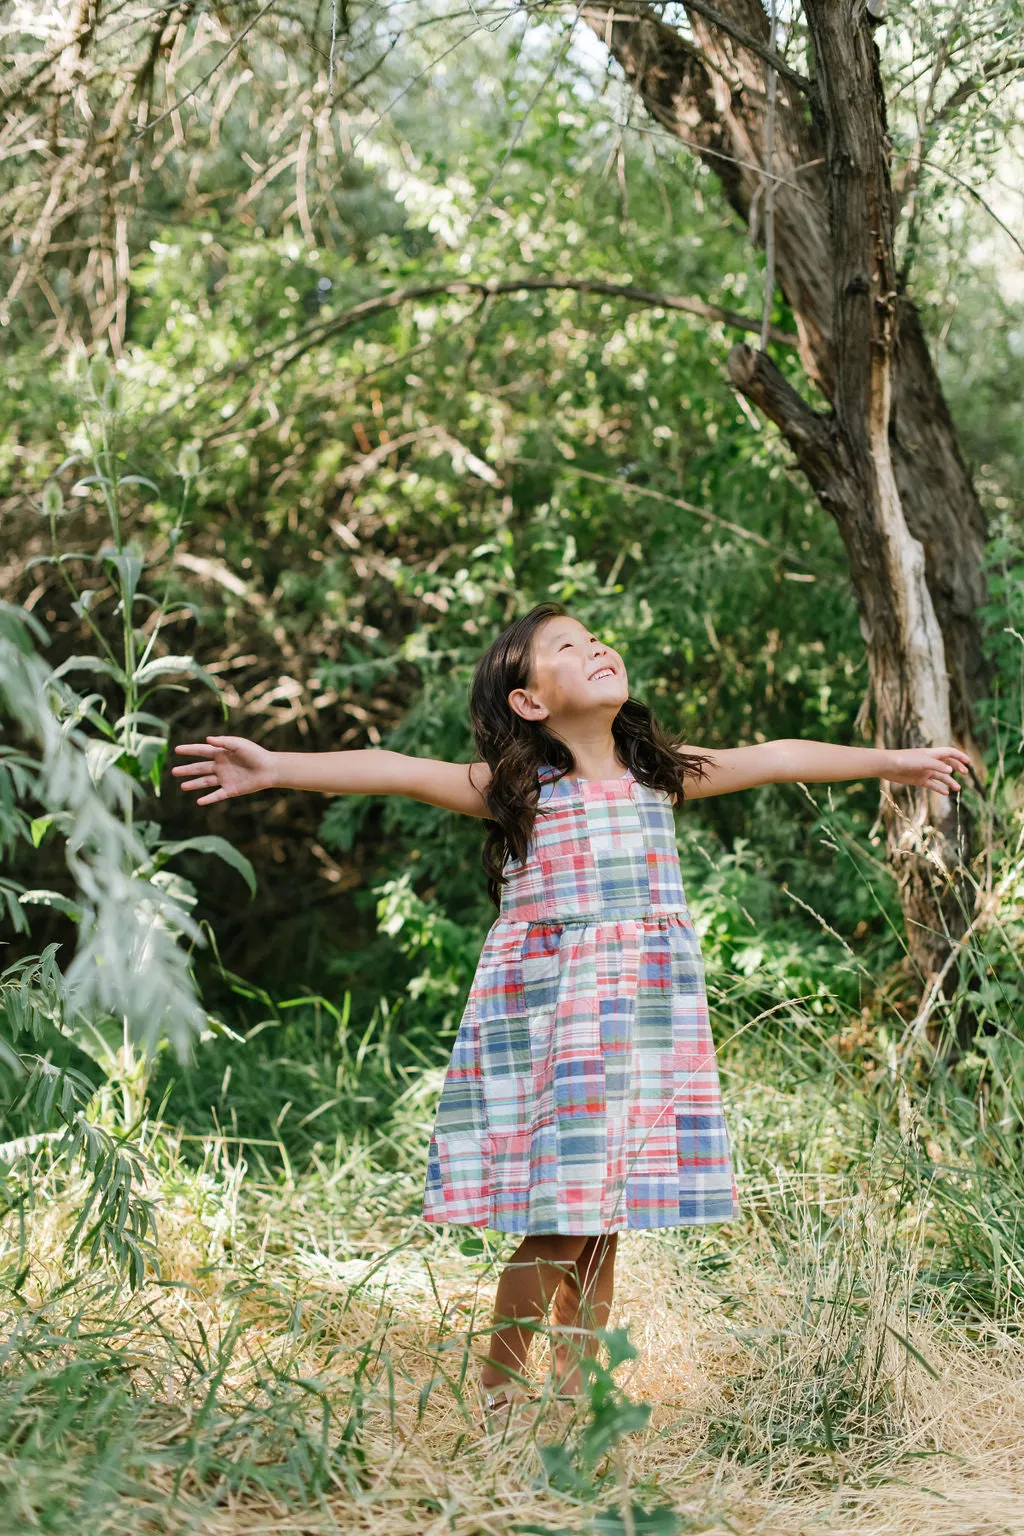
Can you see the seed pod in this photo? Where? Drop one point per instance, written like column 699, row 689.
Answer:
column 99, row 376
column 53, row 500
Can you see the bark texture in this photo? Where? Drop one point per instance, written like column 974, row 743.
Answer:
column 884, row 460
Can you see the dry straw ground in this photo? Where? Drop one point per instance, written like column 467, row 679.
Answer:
column 305, row 1366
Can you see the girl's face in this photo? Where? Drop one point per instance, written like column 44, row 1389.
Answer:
column 573, row 673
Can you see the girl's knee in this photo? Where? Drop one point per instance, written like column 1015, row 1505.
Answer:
column 602, row 1244
column 553, row 1248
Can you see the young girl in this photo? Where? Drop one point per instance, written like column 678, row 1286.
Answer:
column 582, row 1097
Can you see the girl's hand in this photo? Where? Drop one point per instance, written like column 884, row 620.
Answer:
column 930, row 767
column 236, row 766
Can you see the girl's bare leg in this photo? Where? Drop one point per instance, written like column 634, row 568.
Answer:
column 525, row 1289
column 582, row 1303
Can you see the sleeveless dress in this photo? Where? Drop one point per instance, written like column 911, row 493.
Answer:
column 582, row 1094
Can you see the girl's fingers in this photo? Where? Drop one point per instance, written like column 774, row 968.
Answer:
column 212, row 753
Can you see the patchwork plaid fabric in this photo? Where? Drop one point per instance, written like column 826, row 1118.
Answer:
column 582, row 1094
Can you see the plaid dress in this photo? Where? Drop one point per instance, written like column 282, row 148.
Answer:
column 582, row 1094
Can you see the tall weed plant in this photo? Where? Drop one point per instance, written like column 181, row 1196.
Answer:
column 72, row 767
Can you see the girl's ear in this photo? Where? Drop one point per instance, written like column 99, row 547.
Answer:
column 526, row 706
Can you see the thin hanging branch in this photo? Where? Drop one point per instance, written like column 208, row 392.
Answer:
column 510, row 149
column 334, row 39
column 235, row 41
column 769, row 193
column 747, row 39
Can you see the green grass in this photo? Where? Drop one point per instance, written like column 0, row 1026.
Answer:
column 302, row 1354
column 306, row 1355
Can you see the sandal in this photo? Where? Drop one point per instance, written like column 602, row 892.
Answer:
column 504, row 1404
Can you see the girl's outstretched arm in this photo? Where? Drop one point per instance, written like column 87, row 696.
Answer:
column 819, row 762
column 229, row 766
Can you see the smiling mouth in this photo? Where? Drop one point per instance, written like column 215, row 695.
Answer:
column 602, row 672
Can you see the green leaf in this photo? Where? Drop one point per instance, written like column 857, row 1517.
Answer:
column 912, row 1351
column 71, row 554
column 150, row 753
column 90, row 664
column 217, row 1028
column 156, row 767
column 99, row 1038
column 129, row 567
column 162, row 666
column 619, row 1348
column 660, row 1521
column 39, row 828
column 138, row 480
column 44, row 898
column 85, row 602
column 216, row 845
column 83, row 711
column 11, row 1059
column 53, row 500
column 142, row 717
column 101, row 756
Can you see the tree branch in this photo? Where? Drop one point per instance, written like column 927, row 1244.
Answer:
column 808, row 433
column 1006, row 65
column 322, row 331
column 627, row 488
column 710, row 95
column 747, row 39
column 602, row 17
column 490, row 287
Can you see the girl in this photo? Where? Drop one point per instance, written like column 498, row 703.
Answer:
column 582, row 1096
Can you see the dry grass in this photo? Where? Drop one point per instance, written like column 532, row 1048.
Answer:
column 210, row 1419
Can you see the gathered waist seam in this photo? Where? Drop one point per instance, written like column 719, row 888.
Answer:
column 554, row 920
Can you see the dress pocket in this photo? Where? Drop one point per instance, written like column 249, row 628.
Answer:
column 541, row 966
column 498, row 984
column 687, row 962
column 506, row 1075
column 503, row 1024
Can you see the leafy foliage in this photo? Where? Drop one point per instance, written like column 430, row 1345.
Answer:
column 129, row 989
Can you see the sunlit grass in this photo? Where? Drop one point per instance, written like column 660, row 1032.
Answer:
column 306, row 1360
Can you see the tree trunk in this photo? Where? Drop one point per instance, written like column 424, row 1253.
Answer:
column 885, row 460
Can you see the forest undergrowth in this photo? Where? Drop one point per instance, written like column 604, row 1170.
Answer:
column 847, row 1355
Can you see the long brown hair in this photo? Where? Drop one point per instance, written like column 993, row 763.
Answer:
column 515, row 749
